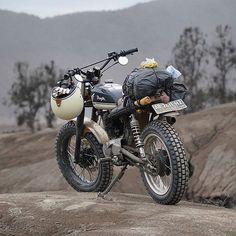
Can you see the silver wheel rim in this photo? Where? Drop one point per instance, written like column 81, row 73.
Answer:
column 89, row 174
column 159, row 184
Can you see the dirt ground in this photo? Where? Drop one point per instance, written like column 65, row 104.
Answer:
column 70, row 213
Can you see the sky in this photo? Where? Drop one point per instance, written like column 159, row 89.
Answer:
column 49, row 8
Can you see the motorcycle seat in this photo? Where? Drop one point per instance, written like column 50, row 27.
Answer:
column 124, row 107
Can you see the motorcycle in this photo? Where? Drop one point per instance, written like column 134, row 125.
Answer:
column 121, row 132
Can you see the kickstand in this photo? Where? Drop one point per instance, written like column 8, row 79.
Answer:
column 117, row 178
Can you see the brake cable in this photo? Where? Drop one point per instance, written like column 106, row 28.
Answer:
column 110, row 66
column 95, row 63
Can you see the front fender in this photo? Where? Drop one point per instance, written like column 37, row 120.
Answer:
column 93, row 127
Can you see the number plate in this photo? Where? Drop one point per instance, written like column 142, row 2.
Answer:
column 176, row 105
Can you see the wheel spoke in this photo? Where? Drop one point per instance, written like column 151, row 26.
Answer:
column 167, row 167
column 82, row 174
column 90, row 175
column 155, row 145
column 72, row 147
column 72, row 155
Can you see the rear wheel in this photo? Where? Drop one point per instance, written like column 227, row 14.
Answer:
column 89, row 175
column 165, row 152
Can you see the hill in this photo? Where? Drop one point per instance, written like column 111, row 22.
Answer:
column 27, row 162
column 80, row 38
column 209, row 137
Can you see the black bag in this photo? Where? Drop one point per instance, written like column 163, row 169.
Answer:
column 128, row 85
column 144, row 82
column 177, row 91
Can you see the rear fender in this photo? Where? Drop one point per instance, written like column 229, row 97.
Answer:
column 171, row 114
column 171, row 117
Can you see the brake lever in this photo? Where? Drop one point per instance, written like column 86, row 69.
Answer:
column 113, row 55
column 122, row 53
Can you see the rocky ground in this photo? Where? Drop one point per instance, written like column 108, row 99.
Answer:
column 70, row 213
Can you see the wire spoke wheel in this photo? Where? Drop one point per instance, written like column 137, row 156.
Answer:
column 165, row 152
column 87, row 174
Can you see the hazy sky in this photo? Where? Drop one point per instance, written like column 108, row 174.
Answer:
column 45, row 8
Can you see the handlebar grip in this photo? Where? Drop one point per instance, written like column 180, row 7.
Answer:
column 127, row 52
column 71, row 73
column 66, row 76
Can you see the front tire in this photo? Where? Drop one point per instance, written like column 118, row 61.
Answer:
column 89, row 175
column 165, row 150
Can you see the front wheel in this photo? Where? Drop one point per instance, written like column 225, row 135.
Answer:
column 89, row 175
column 165, row 152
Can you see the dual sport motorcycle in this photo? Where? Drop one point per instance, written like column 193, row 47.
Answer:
column 121, row 132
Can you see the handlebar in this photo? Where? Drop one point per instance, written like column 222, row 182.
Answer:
column 73, row 72
column 111, row 55
column 115, row 55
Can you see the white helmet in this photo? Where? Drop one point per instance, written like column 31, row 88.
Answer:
column 67, row 103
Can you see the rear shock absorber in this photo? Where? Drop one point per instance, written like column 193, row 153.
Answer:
column 136, row 134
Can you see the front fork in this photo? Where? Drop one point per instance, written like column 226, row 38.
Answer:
column 79, row 132
column 79, row 129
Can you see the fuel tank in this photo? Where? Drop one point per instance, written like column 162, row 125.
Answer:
column 105, row 96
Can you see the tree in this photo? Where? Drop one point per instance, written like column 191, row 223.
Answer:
column 30, row 93
column 27, row 95
column 50, row 77
column 224, row 55
column 189, row 54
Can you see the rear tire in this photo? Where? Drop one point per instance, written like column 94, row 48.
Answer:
column 92, row 152
column 170, row 184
